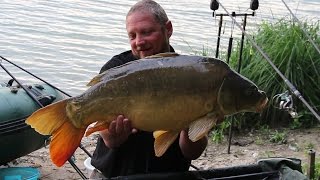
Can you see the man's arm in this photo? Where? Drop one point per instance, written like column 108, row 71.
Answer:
column 192, row 150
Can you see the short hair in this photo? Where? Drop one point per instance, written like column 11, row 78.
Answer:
column 153, row 7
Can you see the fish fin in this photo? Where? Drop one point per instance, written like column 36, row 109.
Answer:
column 95, row 79
column 99, row 126
column 53, row 120
column 163, row 140
column 201, row 127
column 64, row 142
column 48, row 119
column 161, row 55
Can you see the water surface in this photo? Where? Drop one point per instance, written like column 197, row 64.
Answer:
column 66, row 42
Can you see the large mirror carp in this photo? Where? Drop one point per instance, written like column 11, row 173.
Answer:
column 163, row 94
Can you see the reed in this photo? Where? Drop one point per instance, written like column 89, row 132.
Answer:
column 290, row 50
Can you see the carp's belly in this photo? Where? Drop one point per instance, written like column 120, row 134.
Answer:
column 173, row 114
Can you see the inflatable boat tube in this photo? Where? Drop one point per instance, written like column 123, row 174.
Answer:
column 18, row 139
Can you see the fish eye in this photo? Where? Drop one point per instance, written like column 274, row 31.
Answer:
column 251, row 90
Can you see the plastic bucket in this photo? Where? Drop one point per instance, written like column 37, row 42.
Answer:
column 19, row 173
column 89, row 167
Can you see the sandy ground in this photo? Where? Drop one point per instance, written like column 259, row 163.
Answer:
column 246, row 149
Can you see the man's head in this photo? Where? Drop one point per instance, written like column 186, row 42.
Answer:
column 149, row 29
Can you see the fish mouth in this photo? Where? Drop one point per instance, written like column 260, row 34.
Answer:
column 262, row 105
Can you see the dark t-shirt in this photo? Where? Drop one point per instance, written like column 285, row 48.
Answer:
column 136, row 155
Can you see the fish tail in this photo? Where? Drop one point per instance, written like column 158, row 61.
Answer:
column 64, row 142
column 53, row 120
column 48, row 119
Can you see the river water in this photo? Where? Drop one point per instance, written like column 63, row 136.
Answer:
column 65, row 42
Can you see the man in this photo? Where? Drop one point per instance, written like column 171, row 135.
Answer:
column 122, row 150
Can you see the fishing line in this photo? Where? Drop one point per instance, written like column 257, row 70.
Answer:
column 2, row 58
column 289, row 84
column 300, row 24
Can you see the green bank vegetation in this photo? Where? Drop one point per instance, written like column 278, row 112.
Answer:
column 293, row 54
column 288, row 47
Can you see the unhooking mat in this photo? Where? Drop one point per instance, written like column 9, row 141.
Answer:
column 264, row 169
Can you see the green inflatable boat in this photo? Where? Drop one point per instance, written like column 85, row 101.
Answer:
column 18, row 139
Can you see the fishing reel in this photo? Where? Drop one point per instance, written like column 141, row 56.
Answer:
column 284, row 102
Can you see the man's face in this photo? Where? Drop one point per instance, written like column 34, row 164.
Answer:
column 146, row 35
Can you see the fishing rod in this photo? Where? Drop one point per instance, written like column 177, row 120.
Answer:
column 305, row 32
column 287, row 82
column 34, row 76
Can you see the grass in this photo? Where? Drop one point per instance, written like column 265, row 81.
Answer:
column 316, row 169
column 259, row 141
column 278, row 137
column 271, row 135
column 292, row 53
column 217, row 134
column 309, row 146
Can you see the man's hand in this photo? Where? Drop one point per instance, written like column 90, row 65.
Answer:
column 118, row 132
